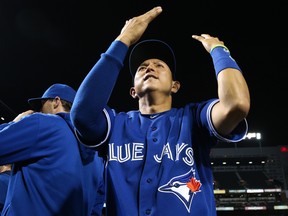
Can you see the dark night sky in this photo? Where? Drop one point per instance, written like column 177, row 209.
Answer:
column 44, row 42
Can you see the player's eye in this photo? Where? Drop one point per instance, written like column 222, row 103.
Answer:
column 141, row 68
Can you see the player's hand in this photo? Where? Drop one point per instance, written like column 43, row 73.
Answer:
column 208, row 41
column 135, row 27
column 21, row 115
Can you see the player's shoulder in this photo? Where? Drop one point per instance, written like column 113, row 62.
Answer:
column 45, row 118
column 45, row 115
column 124, row 114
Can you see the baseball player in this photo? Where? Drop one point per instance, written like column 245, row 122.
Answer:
column 158, row 156
column 52, row 173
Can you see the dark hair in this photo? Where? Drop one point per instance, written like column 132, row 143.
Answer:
column 66, row 105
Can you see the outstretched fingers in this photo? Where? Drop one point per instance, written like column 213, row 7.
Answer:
column 201, row 37
column 152, row 14
column 208, row 41
column 136, row 26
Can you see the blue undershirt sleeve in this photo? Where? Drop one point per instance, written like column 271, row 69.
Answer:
column 94, row 93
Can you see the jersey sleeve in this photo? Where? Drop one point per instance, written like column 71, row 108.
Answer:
column 17, row 139
column 109, row 116
column 87, row 114
column 236, row 135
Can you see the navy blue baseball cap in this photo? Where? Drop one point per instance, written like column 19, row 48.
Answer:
column 152, row 48
column 64, row 92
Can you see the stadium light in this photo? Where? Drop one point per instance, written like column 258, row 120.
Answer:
column 253, row 136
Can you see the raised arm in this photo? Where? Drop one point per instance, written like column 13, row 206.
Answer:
column 233, row 92
column 94, row 92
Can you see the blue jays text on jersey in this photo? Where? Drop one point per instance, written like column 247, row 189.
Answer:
column 135, row 152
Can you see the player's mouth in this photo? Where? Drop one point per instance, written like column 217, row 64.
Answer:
column 148, row 76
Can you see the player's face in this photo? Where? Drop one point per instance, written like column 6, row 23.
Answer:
column 153, row 75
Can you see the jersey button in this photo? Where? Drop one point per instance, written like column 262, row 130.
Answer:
column 154, row 128
column 155, row 139
column 148, row 211
column 149, row 180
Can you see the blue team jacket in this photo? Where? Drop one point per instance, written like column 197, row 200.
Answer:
column 52, row 173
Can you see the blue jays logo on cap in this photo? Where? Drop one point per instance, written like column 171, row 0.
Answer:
column 63, row 91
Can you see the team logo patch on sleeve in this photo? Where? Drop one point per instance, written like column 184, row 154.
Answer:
column 184, row 187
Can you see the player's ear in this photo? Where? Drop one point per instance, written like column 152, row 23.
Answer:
column 133, row 92
column 175, row 86
column 56, row 102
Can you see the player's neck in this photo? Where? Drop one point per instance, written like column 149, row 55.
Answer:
column 154, row 108
column 149, row 104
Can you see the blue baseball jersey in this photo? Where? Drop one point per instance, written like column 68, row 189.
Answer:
column 160, row 164
column 52, row 173
column 156, row 164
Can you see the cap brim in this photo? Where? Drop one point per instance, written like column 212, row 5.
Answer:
column 35, row 103
column 149, row 49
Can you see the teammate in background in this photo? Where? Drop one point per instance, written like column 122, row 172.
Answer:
column 158, row 156
column 5, row 171
column 53, row 174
